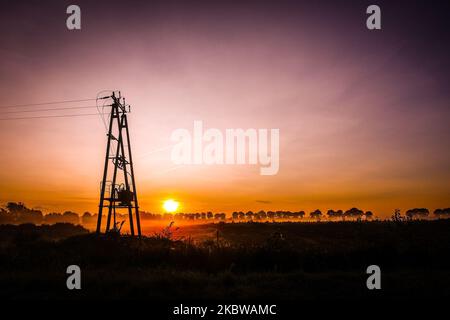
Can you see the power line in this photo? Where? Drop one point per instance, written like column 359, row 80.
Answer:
column 54, row 116
column 46, row 103
column 50, row 109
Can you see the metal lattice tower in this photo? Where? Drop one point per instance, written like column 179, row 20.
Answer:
column 113, row 194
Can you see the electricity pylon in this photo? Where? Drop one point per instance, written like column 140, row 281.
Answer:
column 113, row 194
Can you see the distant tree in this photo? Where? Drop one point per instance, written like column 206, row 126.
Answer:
column 316, row 214
column 368, row 214
column 440, row 213
column 209, row 214
column 335, row 214
column 219, row 216
column 354, row 213
column 262, row 214
column 397, row 217
column 235, row 215
column 300, row 214
column 71, row 217
column 156, row 216
column 14, row 207
column 417, row 212
column 178, row 216
column 30, row 216
column 146, row 215
column 87, row 218
column 21, row 214
column 53, row 217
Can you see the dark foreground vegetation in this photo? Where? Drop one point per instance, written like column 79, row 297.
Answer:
column 271, row 261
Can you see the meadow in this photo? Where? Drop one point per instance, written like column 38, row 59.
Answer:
column 233, row 261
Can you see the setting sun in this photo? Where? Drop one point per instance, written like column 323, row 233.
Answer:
column 170, row 205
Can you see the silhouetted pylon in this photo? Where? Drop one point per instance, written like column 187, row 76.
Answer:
column 112, row 193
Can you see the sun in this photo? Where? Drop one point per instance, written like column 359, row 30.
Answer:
column 170, row 205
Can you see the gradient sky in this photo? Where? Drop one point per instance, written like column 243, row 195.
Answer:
column 363, row 115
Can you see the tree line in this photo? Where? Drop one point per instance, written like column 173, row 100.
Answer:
column 18, row 213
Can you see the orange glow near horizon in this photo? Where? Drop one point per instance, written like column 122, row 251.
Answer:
column 363, row 121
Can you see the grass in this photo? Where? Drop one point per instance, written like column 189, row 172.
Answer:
column 239, row 261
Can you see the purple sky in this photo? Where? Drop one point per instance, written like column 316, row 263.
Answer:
column 363, row 115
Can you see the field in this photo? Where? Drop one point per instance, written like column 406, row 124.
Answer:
column 239, row 261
